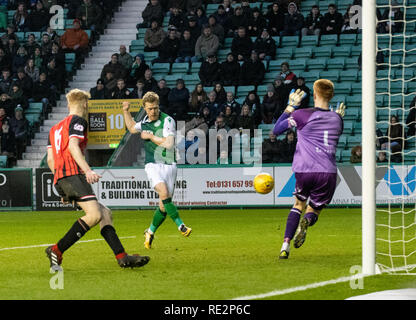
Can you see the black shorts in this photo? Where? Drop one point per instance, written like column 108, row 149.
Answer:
column 75, row 188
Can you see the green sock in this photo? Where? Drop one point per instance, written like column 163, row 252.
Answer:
column 172, row 211
column 158, row 219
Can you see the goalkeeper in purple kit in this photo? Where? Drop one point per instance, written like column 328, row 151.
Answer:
column 314, row 165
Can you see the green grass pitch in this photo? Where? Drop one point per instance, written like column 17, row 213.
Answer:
column 231, row 253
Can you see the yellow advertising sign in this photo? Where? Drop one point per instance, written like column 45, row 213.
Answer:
column 106, row 121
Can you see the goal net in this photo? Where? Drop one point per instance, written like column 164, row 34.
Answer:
column 395, row 169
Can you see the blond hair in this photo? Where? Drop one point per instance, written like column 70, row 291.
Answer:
column 76, row 100
column 324, row 89
column 150, row 97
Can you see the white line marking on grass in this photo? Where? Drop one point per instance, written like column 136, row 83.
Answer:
column 300, row 288
column 47, row 245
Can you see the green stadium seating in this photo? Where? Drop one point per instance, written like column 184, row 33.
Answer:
column 348, row 127
column 351, row 63
column 230, row 89
column 354, row 141
column 289, row 41
column 149, row 56
column 335, row 64
column 161, row 68
column 195, row 67
column 333, row 75
column 320, row 52
column 356, row 88
column 298, row 65
column 343, row 88
column 353, row 101
column 262, row 90
column 347, row 39
column 304, row 52
column 356, row 50
column 309, row 41
column 342, row 52
column 352, row 114
column 191, row 80
column 242, row 91
column 342, row 142
column 284, row 53
column 328, row 40
column 181, row 68
column 3, row 161
column 349, row 75
column 337, row 99
column 346, row 154
column 311, row 76
column 316, row 64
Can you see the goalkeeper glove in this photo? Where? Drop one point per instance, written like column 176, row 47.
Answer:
column 295, row 99
column 341, row 109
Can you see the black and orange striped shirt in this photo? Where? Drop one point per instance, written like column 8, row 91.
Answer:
column 71, row 127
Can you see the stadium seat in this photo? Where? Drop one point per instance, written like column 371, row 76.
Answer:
column 160, row 68
column 191, row 80
column 348, row 127
column 352, row 114
column 342, row 142
column 309, row 41
column 328, row 40
column 305, row 52
column 353, row 101
column 298, row 65
column 181, row 68
column 195, row 67
column 262, row 90
column 242, row 91
column 230, row 89
column 356, row 50
column 356, row 88
column 311, row 76
column 3, row 161
column 347, row 39
column 351, row 63
column 335, row 64
column 320, row 52
column 346, row 155
column 332, row 75
column 284, row 53
column 349, row 75
column 275, row 65
column 149, row 56
column 316, row 64
column 343, row 88
column 289, row 41
column 353, row 141
column 342, row 52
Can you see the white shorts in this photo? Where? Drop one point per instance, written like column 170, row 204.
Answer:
column 160, row 172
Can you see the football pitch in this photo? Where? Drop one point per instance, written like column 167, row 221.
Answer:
column 231, row 254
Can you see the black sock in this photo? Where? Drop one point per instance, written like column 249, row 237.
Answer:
column 76, row 232
column 109, row 234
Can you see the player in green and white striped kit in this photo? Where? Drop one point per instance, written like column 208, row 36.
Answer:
column 157, row 129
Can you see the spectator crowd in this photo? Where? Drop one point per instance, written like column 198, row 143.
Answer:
column 33, row 62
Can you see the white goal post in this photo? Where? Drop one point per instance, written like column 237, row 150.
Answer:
column 369, row 77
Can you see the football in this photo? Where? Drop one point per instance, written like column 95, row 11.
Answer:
column 263, row 183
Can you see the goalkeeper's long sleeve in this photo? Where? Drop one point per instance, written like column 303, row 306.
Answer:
column 282, row 124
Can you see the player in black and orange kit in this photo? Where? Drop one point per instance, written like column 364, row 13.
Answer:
column 73, row 178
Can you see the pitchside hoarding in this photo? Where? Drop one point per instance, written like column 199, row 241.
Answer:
column 221, row 186
column 16, row 189
column 232, row 186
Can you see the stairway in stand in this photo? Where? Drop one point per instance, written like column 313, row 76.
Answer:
column 122, row 30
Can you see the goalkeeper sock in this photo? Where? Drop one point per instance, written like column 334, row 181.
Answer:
column 77, row 231
column 312, row 218
column 292, row 223
column 109, row 234
column 172, row 211
column 158, row 219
